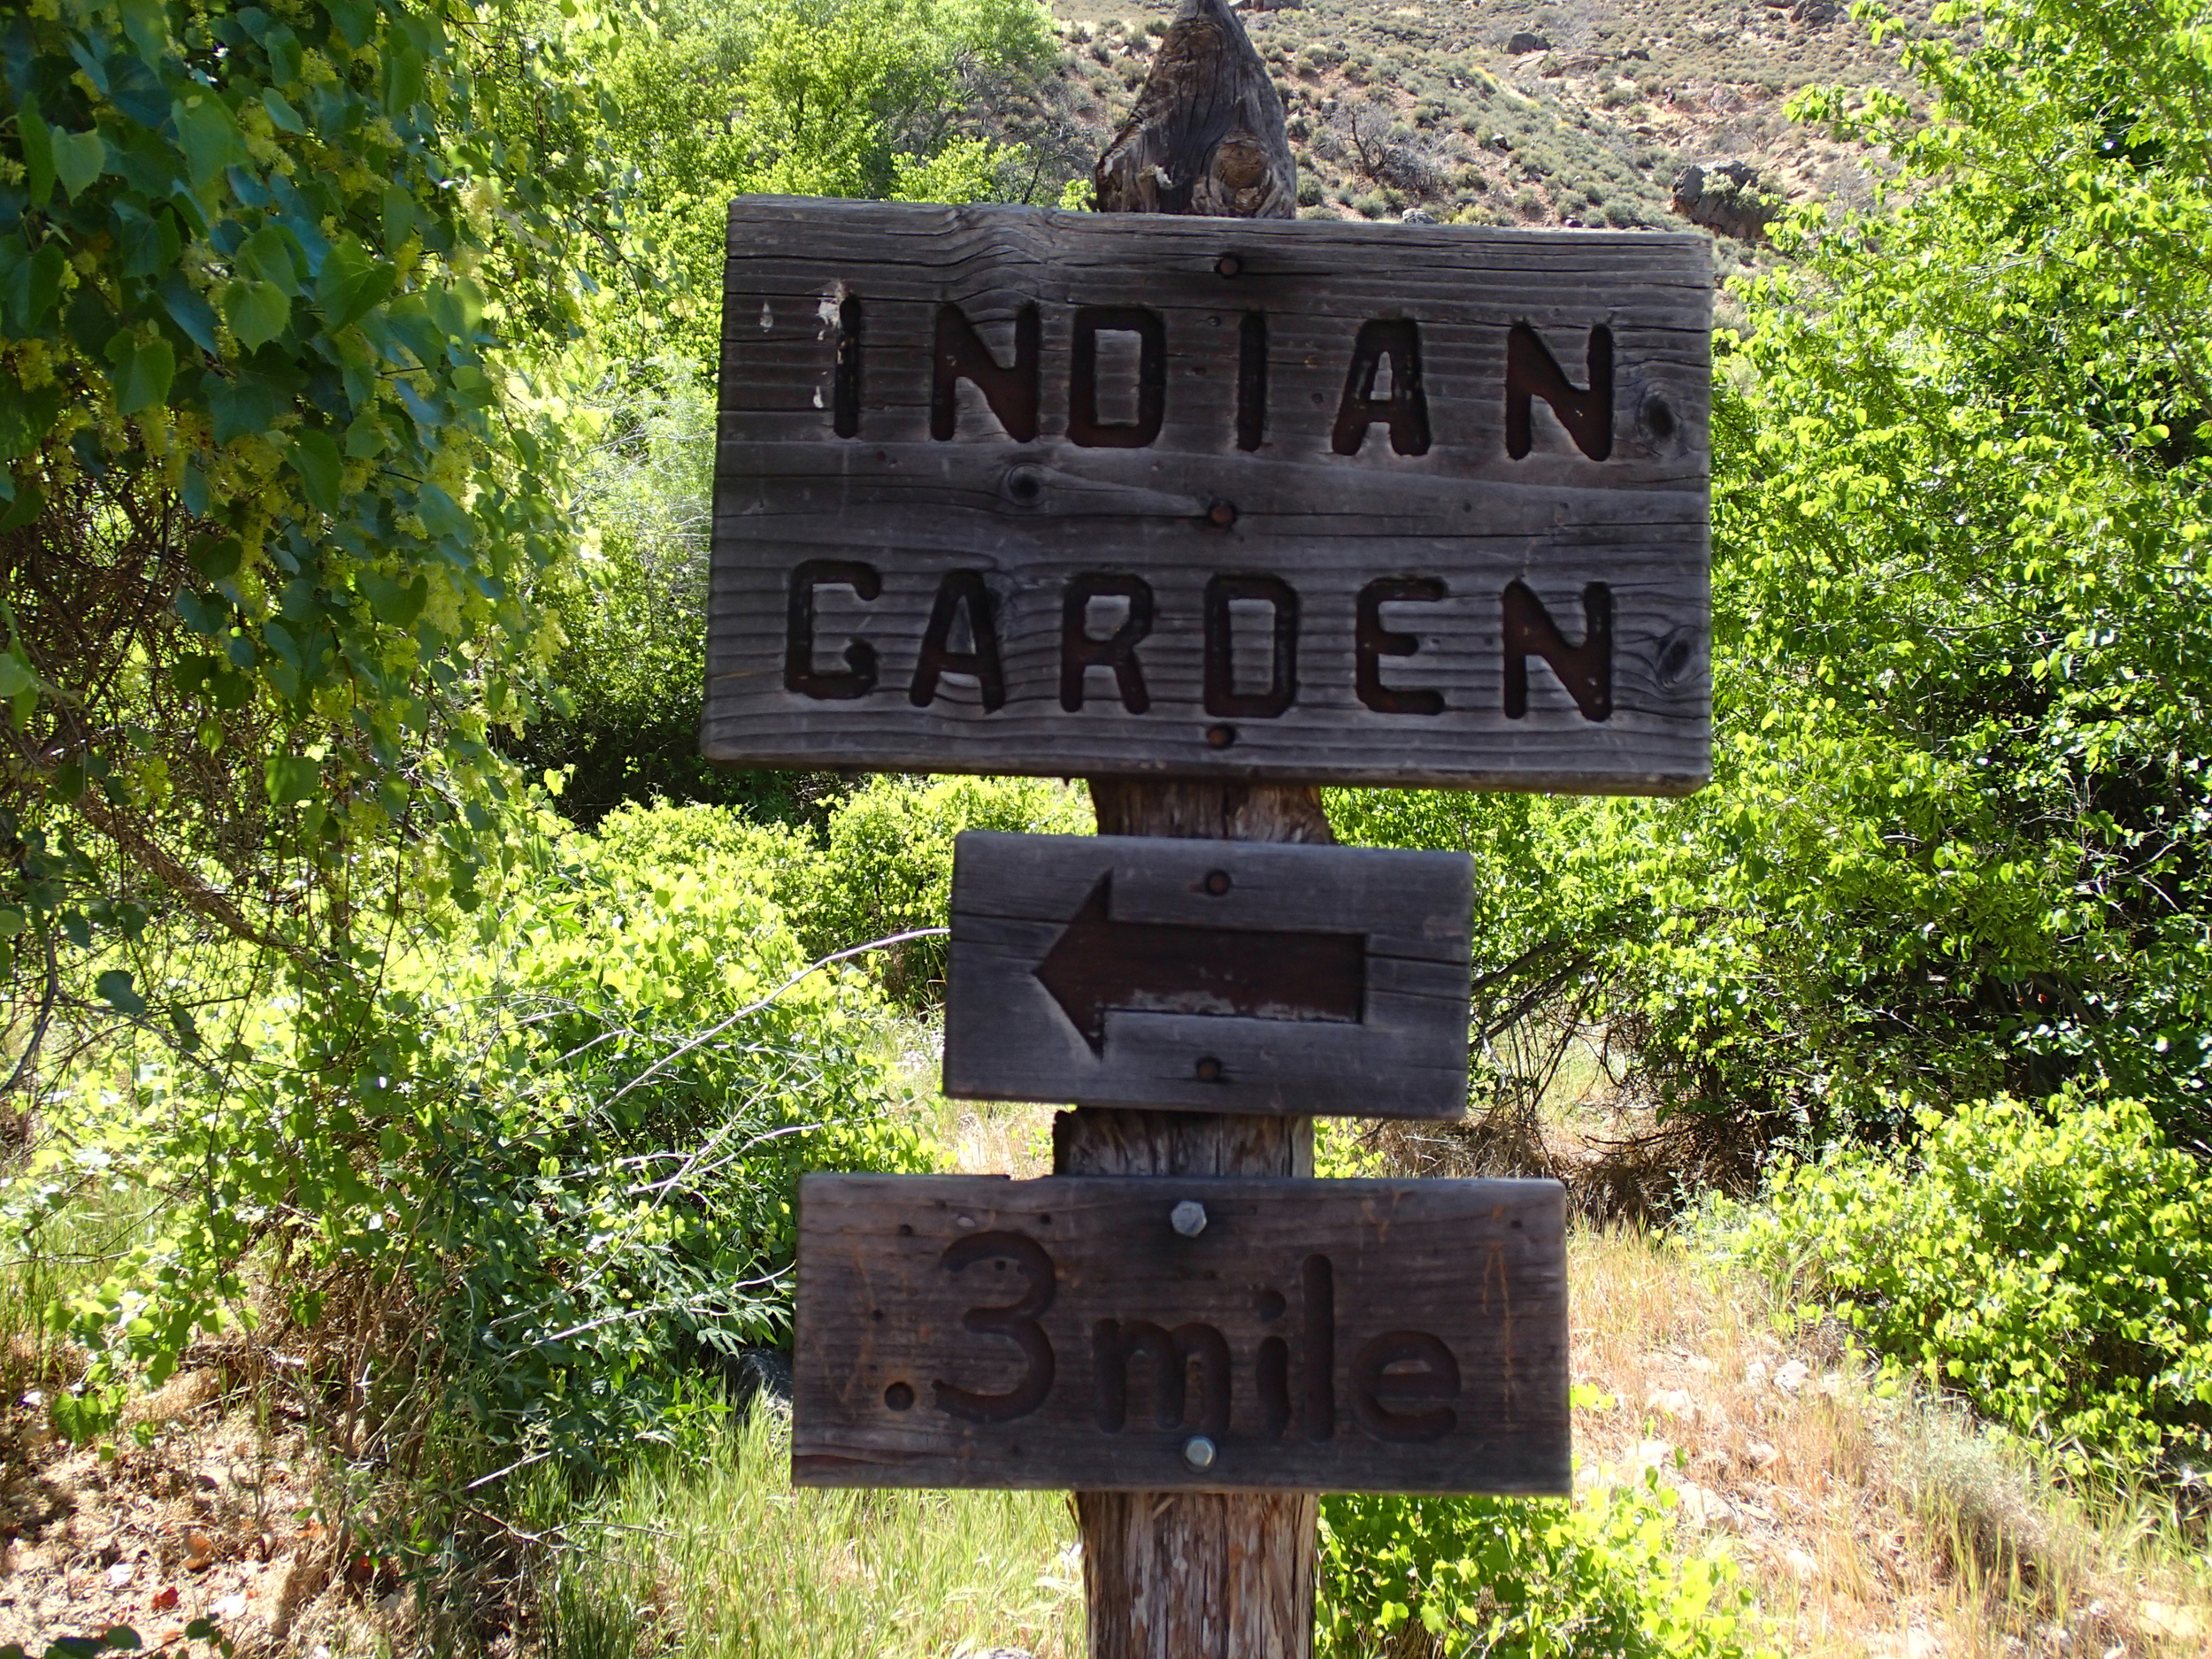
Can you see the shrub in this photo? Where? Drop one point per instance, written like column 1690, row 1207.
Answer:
column 888, row 867
column 2047, row 1262
column 1526, row 1578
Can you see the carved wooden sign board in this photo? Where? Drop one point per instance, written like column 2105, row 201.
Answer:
column 1008, row 490
column 1208, row 976
column 1160, row 1333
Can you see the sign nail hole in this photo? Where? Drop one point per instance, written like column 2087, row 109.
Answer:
column 899, row 1397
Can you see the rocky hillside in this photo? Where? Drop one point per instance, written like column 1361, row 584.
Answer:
column 1535, row 112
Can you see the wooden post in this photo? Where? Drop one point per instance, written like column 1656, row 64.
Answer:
column 1198, row 1575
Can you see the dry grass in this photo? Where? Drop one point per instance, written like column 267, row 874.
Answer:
column 1868, row 1525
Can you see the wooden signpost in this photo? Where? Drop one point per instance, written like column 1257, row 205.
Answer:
column 1115, row 971
column 1213, row 511
column 1011, row 491
column 1352, row 1335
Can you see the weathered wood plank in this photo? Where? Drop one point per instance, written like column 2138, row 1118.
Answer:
column 1215, row 977
column 1168, row 564
column 1397, row 1336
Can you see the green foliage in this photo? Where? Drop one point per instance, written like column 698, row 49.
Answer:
column 570, row 1149
column 2047, row 1262
column 276, row 514
column 799, row 97
column 1527, row 1578
column 888, row 867
column 123, row 1638
column 1960, row 830
column 633, row 616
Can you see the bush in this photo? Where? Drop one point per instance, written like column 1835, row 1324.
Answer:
column 2047, row 1262
column 1526, row 1578
column 888, row 867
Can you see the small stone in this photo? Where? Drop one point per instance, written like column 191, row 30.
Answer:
column 119, row 1575
column 1803, row 1565
column 1791, row 1376
column 232, row 1605
column 1761, row 1454
column 1754, row 1374
column 1674, row 1402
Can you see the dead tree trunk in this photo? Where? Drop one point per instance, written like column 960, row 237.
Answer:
column 1198, row 1575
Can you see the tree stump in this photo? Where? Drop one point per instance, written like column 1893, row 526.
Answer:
column 1198, row 1575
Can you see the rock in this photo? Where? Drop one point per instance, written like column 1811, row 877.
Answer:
column 1674, row 1402
column 1416, row 216
column 1800, row 1565
column 1701, row 1506
column 1523, row 43
column 1503, row 143
column 1761, row 1454
column 1791, row 1376
column 764, row 1372
column 1725, row 197
column 1755, row 1373
column 119, row 1575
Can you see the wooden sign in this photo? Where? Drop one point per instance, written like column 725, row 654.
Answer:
column 1007, row 490
column 1157, row 1333
column 1208, row 976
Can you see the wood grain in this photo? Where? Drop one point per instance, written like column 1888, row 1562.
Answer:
column 1398, row 1049
column 1023, row 522
column 1339, row 1335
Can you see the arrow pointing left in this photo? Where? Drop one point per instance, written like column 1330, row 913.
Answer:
column 1098, row 963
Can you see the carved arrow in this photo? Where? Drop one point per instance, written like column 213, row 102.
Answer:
column 1098, row 963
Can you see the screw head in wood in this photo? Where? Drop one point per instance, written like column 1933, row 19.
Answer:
column 1209, row 1070
column 1188, row 1218
column 1229, row 265
column 1199, row 1452
column 1222, row 514
column 1221, row 736
column 1217, row 882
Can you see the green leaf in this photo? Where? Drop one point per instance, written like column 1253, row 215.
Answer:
column 287, row 118
column 147, row 23
column 270, row 255
column 30, row 500
column 143, row 371
column 37, row 140
column 394, row 602
column 116, row 990
column 79, row 158
column 352, row 284
column 188, row 309
column 257, row 311
column 290, row 778
column 15, row 675
column 210, row 136
column 315, row 458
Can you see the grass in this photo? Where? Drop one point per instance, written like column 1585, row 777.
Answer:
column 715, row 1556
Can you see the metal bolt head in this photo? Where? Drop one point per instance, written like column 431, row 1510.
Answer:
column 1199, row 1452
column 1229, row 266
column 1188, row 1218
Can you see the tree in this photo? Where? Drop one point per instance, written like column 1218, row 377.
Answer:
column 274, row 516
column 1957, row 836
